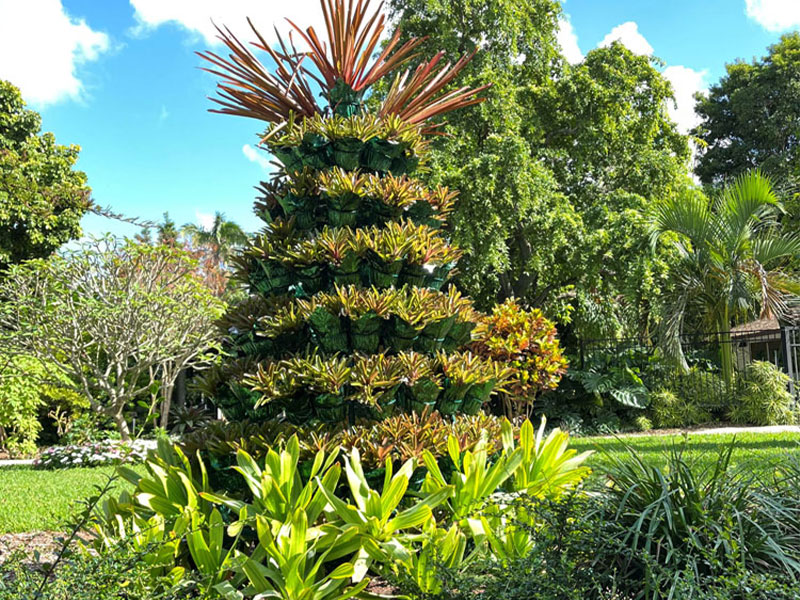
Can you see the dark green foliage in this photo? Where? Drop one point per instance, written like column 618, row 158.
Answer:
column 750, row 117
column 562, row 226
column 762, row 397
column 42, row 198
column 567, row 562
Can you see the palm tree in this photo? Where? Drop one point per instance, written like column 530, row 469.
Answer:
column 221, row 239
column 730, row 255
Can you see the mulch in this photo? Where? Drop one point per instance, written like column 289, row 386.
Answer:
column 46, row 543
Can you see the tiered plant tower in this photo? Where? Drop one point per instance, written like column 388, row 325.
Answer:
column 350, row 312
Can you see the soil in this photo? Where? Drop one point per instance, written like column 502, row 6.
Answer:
column 46, row 543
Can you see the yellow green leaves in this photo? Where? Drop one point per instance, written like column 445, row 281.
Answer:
column 549, row 467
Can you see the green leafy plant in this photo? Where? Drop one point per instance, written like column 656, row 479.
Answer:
column 702, row 519
column 762, row 397
column 526, row 341
column 671, row 410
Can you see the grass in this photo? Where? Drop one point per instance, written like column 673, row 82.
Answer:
column 759, row 451
column 34, row 500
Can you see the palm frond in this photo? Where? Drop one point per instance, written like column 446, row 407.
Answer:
column 749, row 202
column 767, row 250
column 688, row 215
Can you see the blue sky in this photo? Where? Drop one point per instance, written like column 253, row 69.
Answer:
column 120, row 79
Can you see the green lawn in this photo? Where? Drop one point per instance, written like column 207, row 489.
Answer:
column 759, row 450
column 33, row 500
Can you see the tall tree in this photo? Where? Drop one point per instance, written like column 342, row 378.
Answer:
column 731, row 253
column 222, row 239
column 42, row 196
column 120, row 319
column 751, row 119
column 557, row 169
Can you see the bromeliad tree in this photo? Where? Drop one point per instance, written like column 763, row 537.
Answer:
column 42, row 198
column 350, row 313
column 119, row 319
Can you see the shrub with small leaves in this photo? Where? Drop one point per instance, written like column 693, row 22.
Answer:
column 525, row 341
column 762, row 397
column 671, row 410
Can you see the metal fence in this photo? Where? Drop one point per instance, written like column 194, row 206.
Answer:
column 640, row 358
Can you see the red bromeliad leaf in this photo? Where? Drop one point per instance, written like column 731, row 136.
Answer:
column 248, row 89
column 414, row 99
column 352, row 39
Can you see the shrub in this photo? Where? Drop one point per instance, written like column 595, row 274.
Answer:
column 26, row 386
column 679, row 520
column 642, row 423
column 108, row 452
column 526, row 341
column 222, row 541
column 671, row 410
column 762, row 396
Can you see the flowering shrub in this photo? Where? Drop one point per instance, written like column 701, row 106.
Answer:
column 526, row 342
column 92, row 455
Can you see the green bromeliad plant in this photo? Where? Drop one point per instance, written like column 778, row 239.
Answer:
column 348, row 277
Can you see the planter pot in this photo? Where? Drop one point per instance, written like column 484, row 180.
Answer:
column 421, row 213
column 433, row 335
column 440, row 274
column 459, row 335
column 343, row 210
column 405, row 164
column 328, row 331
column 383, row 274
column 414, row 275
column 345, row 275
column 379, row 154
column 310, row 279
column 365, row 333
column 421, row 395
column 476, row 397
column 401, row 334
column 274, row 279
column 452, row 398
column 315, row 151
column 347, row 153
column 290, row 158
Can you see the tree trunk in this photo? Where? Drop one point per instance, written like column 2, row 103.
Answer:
column 180, row 389
column 122, row 425
column 725, row 349
column 166, row 404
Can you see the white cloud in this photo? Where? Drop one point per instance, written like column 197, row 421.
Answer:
column 774, row 15
column 685, row 83
column 568, row 40
column 205, row 220
column 256, row 156
column 628, row 34
column 196, row 16
column 41, row 48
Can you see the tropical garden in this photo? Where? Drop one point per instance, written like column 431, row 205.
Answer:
column 458, row 360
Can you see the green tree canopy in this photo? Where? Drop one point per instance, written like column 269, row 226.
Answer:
column 557, row 169
column 42, row 197
column 751, row 118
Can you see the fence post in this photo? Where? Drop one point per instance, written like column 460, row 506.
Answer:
column 787, row 336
